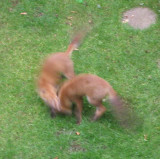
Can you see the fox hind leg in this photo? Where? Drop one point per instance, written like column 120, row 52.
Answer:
column 69, row 70
column 100, row 109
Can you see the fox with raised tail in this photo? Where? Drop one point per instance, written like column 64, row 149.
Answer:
column 54, row 68
column 94, row 88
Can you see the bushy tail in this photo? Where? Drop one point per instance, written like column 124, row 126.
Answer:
column 76, row 42
column 125, row 115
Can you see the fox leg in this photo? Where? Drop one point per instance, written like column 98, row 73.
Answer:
column 53, row 114
column 65, row 106
column 100, row 109
column 78, row 112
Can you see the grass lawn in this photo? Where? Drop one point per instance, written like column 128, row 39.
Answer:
column 129, row 59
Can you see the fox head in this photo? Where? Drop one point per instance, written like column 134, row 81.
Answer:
column 51, row 99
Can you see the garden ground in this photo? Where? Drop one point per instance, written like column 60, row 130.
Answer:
column 129, row 59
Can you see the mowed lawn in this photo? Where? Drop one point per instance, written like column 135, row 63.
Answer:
column 128, row 59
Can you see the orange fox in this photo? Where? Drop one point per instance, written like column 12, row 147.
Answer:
column 94, row 88
column 50, row 78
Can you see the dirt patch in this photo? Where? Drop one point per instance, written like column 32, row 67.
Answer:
column 14, row 3
column 65, row 132
column 39, row 14
column 104, row 147
column 76, row 147
column 139, row 18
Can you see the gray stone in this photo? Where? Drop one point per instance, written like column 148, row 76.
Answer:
column 139, row 18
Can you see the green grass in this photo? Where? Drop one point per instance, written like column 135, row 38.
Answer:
column 125, row 57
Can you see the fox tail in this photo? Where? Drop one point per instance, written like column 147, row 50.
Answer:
column 122, row 113
column 76, row 42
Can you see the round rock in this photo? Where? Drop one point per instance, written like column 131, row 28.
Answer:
column 139, row 18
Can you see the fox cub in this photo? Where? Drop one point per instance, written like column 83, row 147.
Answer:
column 94, row 88
column 50, row 78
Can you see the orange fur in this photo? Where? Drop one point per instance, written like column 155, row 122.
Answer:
column 54, row 67
column 93, row 87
